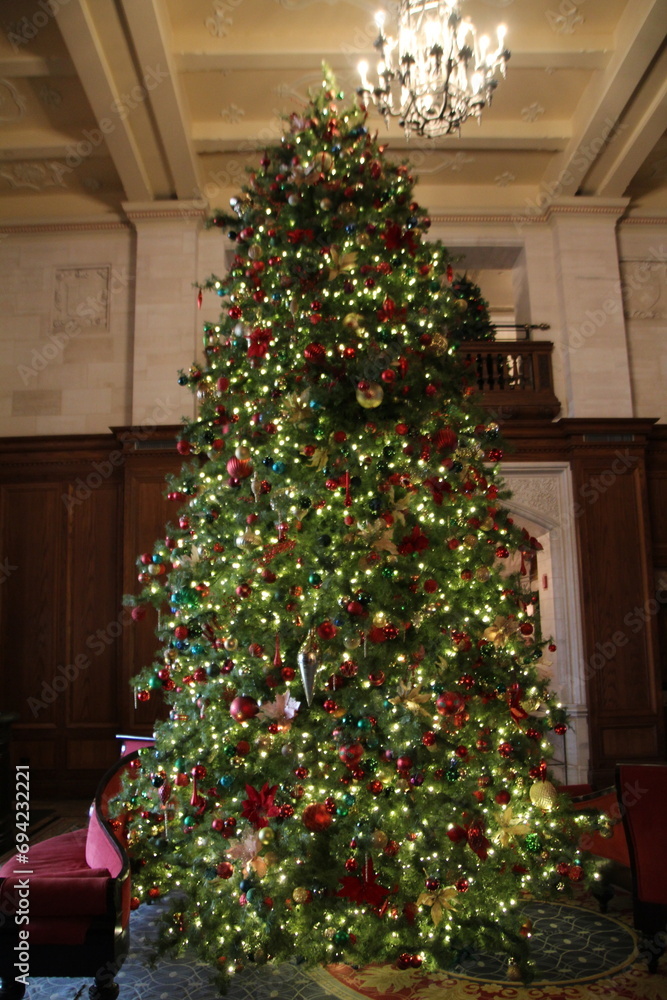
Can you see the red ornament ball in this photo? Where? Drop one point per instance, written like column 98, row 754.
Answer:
column 506, row 750
column 224, row 870
column 315, row 353
column 575, row 873
column 449, row 703
column 560, row 728
column 503, row 797
column 316, row 817
column 243, row 708
column 327, row 630
column 351, row 753
column 462, row 885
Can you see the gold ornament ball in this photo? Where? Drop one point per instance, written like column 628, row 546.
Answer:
column 352, row 642
column 379, row 839
column 439, row 344
column 352, row 321
column 255, row 252
column 300, row 894
column 482, row 573
column 513, row 971
column 243, row 452
column 379, row 618
column 543, row 795
column 362, row 239
column 487, row 524
column 461, row 305
column 265, row 835
column 325, row 204
column 470, row 541
column 231, row 645
column 329, row 933
column 371, row 397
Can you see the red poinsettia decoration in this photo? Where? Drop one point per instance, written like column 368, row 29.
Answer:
column 259, row 807
column 296, row 236
column 259, row 341
column 477, row 840
column 364, row 888
column 438, row 489
column 395, row 239
column 417, row 541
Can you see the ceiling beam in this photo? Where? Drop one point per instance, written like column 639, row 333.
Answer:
column 310, row 61
column 546, row 136
column 29, row 65
column 40, row 144
column 150, row 38
column 644, row 124
column 640, row 32
column 87, row 53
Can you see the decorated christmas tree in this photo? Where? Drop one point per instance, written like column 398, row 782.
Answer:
column 473, row 321
column 354, row 766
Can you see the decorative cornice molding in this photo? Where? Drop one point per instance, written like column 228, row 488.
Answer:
column 159, row 211
column 645, row 220
column 90, row 226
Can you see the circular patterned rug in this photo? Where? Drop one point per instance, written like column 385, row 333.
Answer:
column 579, row 953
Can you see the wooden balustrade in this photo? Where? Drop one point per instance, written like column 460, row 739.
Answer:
column 514, row 377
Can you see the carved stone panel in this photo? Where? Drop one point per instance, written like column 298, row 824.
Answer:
column 81, row 299
column 644, row 289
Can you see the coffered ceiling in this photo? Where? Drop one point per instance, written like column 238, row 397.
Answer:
column 105, row 102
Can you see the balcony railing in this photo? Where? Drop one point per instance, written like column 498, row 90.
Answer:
column 514, row 377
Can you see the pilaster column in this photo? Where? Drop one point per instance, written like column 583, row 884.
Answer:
column 165, row 311
column 592, row 344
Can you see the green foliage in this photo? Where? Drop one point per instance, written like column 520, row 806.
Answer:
column 473, row 321
column 341, row 540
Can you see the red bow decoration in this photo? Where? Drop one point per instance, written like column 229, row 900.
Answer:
column 415, row 542
column 395, row 239
column 364, row 889
column 514, row 696
column 390, row 311
column 438, row 488
column 259, row 805
column 477, row 842
column 300, row 235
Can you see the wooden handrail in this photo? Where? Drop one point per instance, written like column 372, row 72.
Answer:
column 514, row 376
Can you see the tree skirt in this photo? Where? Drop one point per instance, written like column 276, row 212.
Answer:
column 580, row 955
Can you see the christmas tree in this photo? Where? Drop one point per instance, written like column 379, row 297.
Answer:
column 474, row 322
column 354, row 767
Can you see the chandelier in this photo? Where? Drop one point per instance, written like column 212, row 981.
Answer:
column 436, row 73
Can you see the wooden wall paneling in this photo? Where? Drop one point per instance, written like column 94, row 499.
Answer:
column 618, row 613
column 147, row 513
column 58, row 516
column 31, row 597
column 96, row 621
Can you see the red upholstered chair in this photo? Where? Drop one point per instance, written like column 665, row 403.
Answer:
column 613, row 848
column 78, row 902
column 642, row 792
